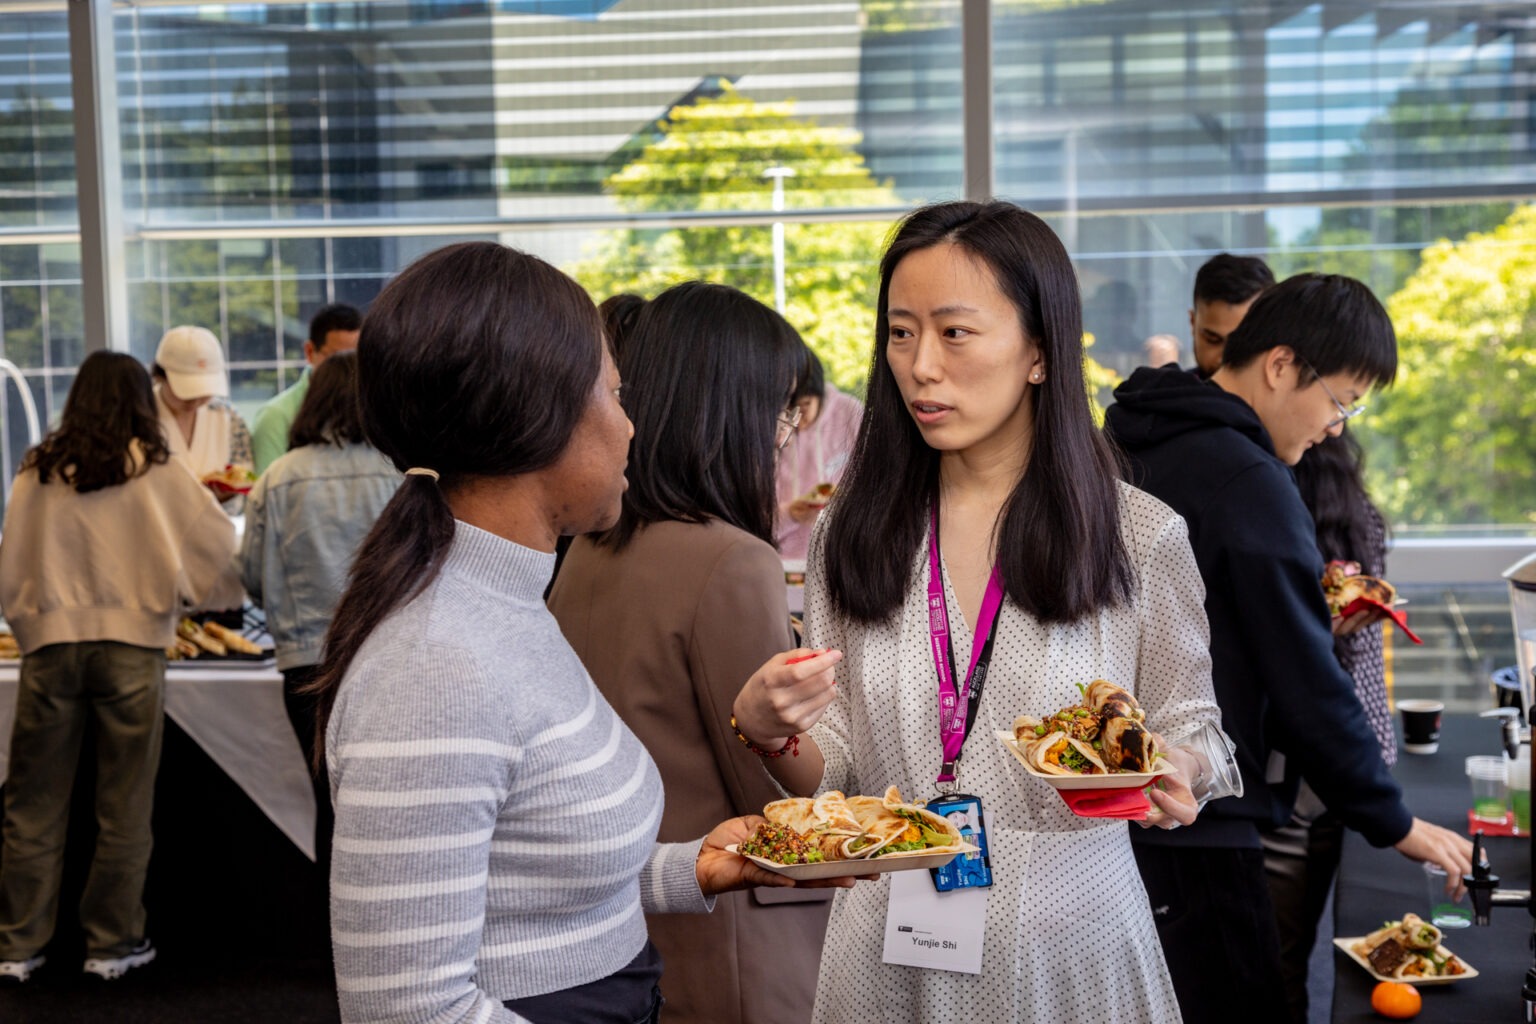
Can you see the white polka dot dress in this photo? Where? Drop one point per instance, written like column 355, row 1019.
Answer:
column 1069, row 933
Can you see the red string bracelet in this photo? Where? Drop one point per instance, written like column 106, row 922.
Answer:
column 791, row 746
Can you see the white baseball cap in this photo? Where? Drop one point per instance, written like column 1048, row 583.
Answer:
column 193, row 361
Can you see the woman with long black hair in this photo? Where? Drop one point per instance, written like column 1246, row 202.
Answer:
column 106, row 537
column 495, row 832
column 980, row 497
column 676, row 606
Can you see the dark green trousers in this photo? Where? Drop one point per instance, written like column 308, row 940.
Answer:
column 121, row 688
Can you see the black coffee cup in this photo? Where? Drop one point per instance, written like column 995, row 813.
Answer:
column 1421, row 725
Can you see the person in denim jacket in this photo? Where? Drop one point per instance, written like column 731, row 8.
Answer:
column 304, row 520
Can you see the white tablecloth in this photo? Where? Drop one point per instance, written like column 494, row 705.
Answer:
column 236, row 715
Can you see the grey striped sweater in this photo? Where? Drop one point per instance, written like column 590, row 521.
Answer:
column 495, row 820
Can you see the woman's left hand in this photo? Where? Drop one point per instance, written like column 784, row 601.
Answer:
column 718, row 870
column 1173, row 801
column 1363, row 619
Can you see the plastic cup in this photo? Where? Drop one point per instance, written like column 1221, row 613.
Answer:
column 1421, row 725
column 1490, row 787
column 1444, row 912
column 1218, row 757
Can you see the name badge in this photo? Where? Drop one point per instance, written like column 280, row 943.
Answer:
column 943, row 931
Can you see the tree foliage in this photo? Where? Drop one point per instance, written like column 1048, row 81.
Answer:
column 711, row 155
column 1452, row 442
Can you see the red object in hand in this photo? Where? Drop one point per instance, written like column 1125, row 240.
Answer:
column 1130, row 803
column 230, row 480
column 1399, row 619
column 806, row 657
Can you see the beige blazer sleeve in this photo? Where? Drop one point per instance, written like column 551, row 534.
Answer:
column 740, row 622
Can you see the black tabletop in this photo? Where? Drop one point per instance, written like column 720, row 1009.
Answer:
column 1380, row 885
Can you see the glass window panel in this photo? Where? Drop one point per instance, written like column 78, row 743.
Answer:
column 146, row 321
column 482, row 109
column 303, row 256
column 15, row 437
column 21, row 307
column 66, row 325
column 291, row 327
column 248, row 388
column 253, row 336
column 37, row 174
column 1216, row 102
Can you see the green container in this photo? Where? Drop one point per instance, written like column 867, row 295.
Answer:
column 1521, row 798
column 1489, row 809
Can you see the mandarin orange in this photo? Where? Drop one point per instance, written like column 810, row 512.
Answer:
column 1395, row 1000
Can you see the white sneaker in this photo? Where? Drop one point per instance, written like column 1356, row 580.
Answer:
column 109, row 968
column 18, row 971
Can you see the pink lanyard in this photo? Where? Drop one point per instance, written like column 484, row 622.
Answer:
column 955, row 704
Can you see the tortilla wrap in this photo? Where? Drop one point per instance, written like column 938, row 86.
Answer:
column 796, row 812
column 1044, row 755
column 1112, row 701
column 1024, row 729
column 1101, row 690
column 826, row 821
column 1128, row 745
column 1418, row 934
column 887, row 820
column 831, row 810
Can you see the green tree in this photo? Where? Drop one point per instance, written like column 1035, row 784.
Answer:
column 711, row 156
column 1452, row 442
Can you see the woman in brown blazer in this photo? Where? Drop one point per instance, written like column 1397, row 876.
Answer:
column 675, row 607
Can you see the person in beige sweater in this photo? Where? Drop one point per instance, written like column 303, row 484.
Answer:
column 106, row 538
column 673, row 609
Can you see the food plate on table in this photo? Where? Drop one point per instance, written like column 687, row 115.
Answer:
column 1112, row 780
column 209, row 643
column 1408, row 951
column 1441, row 979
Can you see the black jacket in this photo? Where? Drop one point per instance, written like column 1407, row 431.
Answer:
column 1279, row 685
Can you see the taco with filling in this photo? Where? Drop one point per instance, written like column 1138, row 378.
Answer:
column 1129, row 746
column 826, row 821
column 1057, row 753
column 892, row 826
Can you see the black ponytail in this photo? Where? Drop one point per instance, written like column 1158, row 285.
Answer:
column 445, row 351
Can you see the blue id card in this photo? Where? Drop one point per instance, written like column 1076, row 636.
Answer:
column 969, row 870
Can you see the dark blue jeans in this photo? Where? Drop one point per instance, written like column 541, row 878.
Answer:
column 630, row 995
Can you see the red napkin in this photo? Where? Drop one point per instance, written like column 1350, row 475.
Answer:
column 1130, row 803
column 1360, row 604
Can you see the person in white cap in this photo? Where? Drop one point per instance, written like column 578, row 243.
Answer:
column 191, row 396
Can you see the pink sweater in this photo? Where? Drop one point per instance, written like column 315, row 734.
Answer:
column 816, row 454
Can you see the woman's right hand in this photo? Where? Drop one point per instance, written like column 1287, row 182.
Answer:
column 786, row 696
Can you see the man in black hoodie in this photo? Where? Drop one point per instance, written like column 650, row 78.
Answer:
column 1219, row 453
